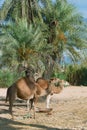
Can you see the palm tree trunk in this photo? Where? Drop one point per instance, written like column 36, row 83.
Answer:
column 29, row 12
column 23, row 4
column 49, row 64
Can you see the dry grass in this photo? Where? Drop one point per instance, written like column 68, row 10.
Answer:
column 69, row 112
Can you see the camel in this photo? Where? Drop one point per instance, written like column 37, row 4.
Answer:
column 28, row 89
column 24, row 88
column 49, row 87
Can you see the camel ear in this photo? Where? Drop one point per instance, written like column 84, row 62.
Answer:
column 52, row 79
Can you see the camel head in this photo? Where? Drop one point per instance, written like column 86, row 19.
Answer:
column 56, row 85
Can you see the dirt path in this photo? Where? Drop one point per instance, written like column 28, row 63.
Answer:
column 69, row 112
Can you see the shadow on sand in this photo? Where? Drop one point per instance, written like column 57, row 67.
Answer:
column 8, row 124
column 46, row 127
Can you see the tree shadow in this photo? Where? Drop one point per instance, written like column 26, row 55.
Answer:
column 4, row 111
column 2, row 98
column 8, row 124
column 47, row 127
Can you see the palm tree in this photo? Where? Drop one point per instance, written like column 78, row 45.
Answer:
column 65, row 31
column 22, row 44
column 18, row 9
column 60, row 24
column 65, row 28
column 15, row 9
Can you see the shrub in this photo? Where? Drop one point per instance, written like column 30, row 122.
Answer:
column 77, row 75
column 74, row 74
column 8, row 77
column 60, row 75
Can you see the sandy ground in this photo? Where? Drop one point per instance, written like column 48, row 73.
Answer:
column 69, row 112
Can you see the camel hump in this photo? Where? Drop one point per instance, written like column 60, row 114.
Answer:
column 43, row 83
column 26, row 82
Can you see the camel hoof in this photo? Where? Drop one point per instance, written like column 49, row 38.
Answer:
column 45, row 110
column 27, row 116
column 49, row 113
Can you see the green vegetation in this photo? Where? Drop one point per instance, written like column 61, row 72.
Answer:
column 60, row 75
column 8, row 77
column 74, row 74
column 40, row 33
column 77, row 75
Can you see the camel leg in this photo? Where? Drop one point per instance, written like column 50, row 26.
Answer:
column 30, row 105
column 10, row 108
column 11, row 100
column 34, row 109
column 48, row 100
column 28, row 115
column 28, row 108
column 33, row 102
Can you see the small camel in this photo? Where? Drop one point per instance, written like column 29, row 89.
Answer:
column 49, row 87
